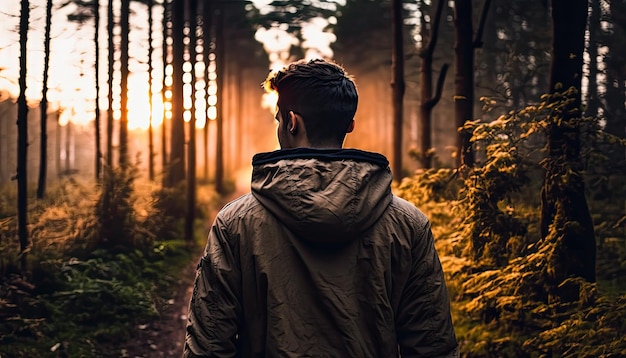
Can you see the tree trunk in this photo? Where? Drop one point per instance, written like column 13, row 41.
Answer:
column 98, row 164
column 593, row 100
column 150, row 108
column 398, row 86
column 43, row 148
column 124, row 43
column 22, row 140
column 4, row 147
column 220, row 64
column 616, row 76
column 593, row 96
column 165, row 47
column 177, row 137
column 207, row 38
column 565, row 216
column 464, row 79
column 57, row 146
column 110, row 70
column 427, row 101
column 68, row 148
column 239, row 115
column 191, row 148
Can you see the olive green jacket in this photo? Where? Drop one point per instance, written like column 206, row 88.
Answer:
column 320, row 260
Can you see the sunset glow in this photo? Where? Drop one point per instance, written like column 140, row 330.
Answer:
column 72, row 58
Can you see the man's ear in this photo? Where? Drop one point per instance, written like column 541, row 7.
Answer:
column 350, row 127
column 292, row 126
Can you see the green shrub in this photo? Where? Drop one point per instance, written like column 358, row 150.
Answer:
column 499, row 271
column 97, row 269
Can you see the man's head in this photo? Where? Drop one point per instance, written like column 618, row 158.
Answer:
column 317, row 101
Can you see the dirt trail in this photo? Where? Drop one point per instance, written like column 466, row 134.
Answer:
column 165, row 337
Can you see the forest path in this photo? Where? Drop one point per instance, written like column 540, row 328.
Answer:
column 165, row 337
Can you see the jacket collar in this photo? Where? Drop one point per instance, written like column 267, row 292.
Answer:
column 320, row 154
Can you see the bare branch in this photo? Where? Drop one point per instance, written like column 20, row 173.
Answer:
column 439, row 90
column 435, row 34
column 478, row 40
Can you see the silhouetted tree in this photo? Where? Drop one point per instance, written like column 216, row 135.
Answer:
column 149, row 4
column 43, row 105
column 207, row 38
column 22, row 139
column 177, row 136
column 615, row 59
column 464, row 79
column 427, row 101
column 86, row 10
column 565, row 216
column 110, row 72
column 96, row 12
column 397, row 85
column 165, row 49
column 124, row 43
column 593, row 100
column 191, row 148
column 68, row 147
column 220, row 52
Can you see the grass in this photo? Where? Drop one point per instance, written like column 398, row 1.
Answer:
column 497, row 315
column 80, row 297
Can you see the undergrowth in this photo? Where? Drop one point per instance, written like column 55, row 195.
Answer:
column 103, row 259
column 486, row 224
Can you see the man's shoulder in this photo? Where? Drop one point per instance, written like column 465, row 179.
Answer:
column 402, row 208
column 238, row 206
column 241, row 214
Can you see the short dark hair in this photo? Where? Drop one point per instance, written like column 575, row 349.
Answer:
column 321, row 92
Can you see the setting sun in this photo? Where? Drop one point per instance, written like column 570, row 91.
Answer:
column 71, row 83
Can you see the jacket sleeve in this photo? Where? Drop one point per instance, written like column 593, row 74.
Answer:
column 423, row 322
column 215, row 307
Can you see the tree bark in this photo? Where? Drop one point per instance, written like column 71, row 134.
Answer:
column 98, row 164
column 191, row 148
column 398, row 86
column 427, row 101
column 57, row 147
column 177, row 136
column 464, row 79
column 165, row 47
column 615, row 89
column 220, row 64
column 124, row 43
column 68, row 148
column 565, row 215
column 43, row 147
column 22, row 140
column 593, row 102
column 207, row 38
column 110, row 70
column 150, row 104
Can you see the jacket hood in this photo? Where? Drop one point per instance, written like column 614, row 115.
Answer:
column 323, row 195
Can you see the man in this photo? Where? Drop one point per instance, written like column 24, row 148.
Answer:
column 320, row 259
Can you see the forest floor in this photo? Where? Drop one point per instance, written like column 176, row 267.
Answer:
column 165, row 337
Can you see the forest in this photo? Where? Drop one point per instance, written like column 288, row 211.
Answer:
column 125, row 125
